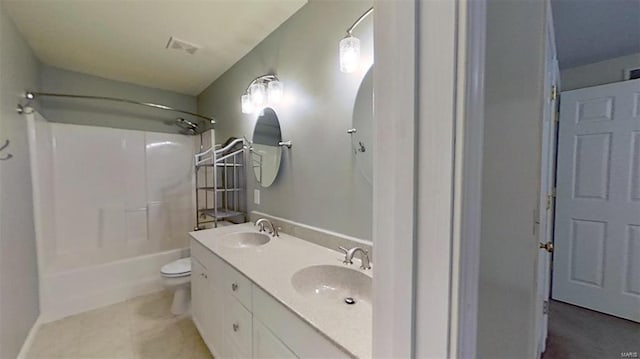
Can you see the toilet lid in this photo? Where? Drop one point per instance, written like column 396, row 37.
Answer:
column 179, row 268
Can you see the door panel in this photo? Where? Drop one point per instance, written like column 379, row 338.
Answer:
column 597, row 250
column 634, row 191
column 586, row 250
column 591, row 158
column 632, row 274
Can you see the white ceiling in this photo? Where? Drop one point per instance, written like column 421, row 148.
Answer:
column 125, row 40
column 589, row 31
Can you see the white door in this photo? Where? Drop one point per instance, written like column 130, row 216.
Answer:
column 547, row 183
column 597, row 236
column 546, row 209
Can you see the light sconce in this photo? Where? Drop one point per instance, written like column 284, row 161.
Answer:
column 263, row 91
column 247, row 105
column 350, row 47
column 275, row 91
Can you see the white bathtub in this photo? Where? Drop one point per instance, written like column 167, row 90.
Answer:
column 78, row 290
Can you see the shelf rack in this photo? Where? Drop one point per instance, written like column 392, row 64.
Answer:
column 226, row 183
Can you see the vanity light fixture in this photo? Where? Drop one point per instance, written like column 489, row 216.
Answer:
column 275, row 91
column 247, row 105
column 350, row 47
column 258, row 93
column 263, row 91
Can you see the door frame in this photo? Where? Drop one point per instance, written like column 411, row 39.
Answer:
column 469, row 163
column 428, row 155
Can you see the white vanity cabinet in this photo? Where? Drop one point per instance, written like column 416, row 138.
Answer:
column 199, row 291
column 237, row 330
column 237, row 319
column 267, row 345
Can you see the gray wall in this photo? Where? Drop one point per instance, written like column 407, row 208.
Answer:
column 319, row 183
column 18, row 259
column 510, row 180
column 109, row 114
column 599, row 73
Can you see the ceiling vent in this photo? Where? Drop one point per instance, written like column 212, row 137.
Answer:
column 181, row 45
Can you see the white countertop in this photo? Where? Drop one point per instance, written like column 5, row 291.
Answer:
column 271, row 267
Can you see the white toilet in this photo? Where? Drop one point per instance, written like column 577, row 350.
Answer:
column 177, row 276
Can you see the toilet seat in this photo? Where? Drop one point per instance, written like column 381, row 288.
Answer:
column 177, row 269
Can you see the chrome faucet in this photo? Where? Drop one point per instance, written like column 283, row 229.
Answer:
column 350, row 253
column 273, row 230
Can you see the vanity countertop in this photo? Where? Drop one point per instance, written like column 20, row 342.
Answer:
column 271, row 267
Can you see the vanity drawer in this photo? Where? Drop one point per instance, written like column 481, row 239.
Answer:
column 237, row 329
column 297, row 335
column 238, row 286
column 266, row 345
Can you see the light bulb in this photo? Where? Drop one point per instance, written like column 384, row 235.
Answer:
column 349, row 54
column 247, row 105
column 258, row 94
column 275, row 91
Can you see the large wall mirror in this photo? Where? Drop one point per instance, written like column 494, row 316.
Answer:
column 266, row 151
column 362, row 127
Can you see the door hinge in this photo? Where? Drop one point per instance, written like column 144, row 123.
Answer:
column 550, row 197
column 545, row 307
column 546, row 246
column 554, row 92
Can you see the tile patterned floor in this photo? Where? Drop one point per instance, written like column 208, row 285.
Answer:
column 142, row 327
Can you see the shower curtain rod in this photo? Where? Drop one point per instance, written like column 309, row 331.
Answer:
column 31, row 95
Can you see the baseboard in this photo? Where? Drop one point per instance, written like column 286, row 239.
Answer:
column 28, row 342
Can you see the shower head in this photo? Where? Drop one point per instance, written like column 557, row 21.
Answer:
column 190, row 128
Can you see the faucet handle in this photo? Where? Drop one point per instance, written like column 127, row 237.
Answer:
column 346, row 260
column 276, row 230
column 365, row 263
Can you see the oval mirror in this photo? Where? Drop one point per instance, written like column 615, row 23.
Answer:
column 362, row 122
column 266, row 151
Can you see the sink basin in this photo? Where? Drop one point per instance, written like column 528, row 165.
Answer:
column 245, row 240
column 333, row 283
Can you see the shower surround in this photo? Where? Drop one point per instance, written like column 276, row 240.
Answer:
column 111, row 207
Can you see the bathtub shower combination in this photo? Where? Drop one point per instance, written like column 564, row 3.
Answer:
column 112, row 206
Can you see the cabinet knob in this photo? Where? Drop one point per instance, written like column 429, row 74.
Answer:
column 236, row 327
column 234, row 287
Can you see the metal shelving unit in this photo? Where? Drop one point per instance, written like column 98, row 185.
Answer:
column 225, row 184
